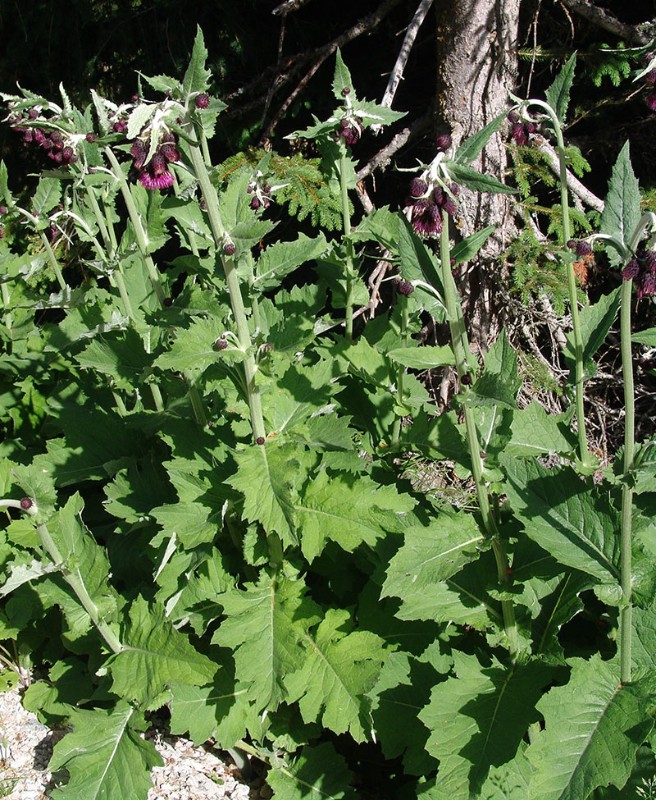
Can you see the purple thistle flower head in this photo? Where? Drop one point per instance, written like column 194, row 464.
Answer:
column 418, row 188
column 513, row 118
column 650, row 261
column 157, row 165
column 350, row 133
column 650, row 77
column 138, row 153
column 631, row 270
column 170, row 152
column 650, row 101
column 444, row 142
column 426, row 218
column 404, row 287
column 519, row 134
column 202, row 100
column 149, row 180
column 647, row 285
column 583, row 248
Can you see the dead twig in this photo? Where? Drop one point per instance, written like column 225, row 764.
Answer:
column 402, row 59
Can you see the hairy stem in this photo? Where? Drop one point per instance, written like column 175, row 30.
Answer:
column 346, row 225
column 400, row 372
column 460, row 346
column 234, row 290
column 587, row 461
column 627, row 491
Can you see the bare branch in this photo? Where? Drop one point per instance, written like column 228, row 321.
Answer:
column 402, row 58
column 633, row 34
column 573, row 183
column 384, row 156
column 322, row 53
column 288, row 6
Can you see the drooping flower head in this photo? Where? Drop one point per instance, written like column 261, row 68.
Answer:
column 642, row 269
column 430, row 194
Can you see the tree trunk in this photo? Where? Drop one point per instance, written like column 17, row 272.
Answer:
column 477, row 65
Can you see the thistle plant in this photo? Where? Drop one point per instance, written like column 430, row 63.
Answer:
column 204, row 478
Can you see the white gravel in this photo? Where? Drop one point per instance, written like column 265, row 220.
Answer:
column 189, row 772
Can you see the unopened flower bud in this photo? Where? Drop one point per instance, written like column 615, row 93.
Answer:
column 202, row 100
column 26, row 503
column 221, row 343
column 260, row 440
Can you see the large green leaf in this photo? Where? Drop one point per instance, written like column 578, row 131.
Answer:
column 349, row 512
column 319, row 773
column 433, row 553
column 535, row 432
column 338, row 670
column 570, row 520
column 197, row 76
column 154, row 654
column 593, row 728
column 596, row 321
column 105, row 756
column 267, row 476
column 478, row 719
column 264, row 626
column 621, row 213
column 281, row 258
column 463, row 598
column 471, row 147
column 558, row 93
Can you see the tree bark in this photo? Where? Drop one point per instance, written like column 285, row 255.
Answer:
column 477, row 65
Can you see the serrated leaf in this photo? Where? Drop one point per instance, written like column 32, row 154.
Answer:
column 593, row 728
column 469, row 247
column 430, row 554
column 477, row 181
column 163, row 84
column 192, row 523
column 535, row 432
column 215, row 712
column 348, row 512
column 478, row 719
column 300, row 393
column 139, row 117
column 197, row 76
column 595, row 320
column 154, row 654
column 462, row 598
column 47, row 196
column 558, row 93
column 193, row 349
column 341, row 78
column 319, row 773
column 621, row 213
column 23, row 573
column 121, row 357
column 105, row 756
column 471, row 147
column 338, row 669
column 267, row 476
column 281, row 258
column 648, row 337
column 500, row 381
column 564, row 516
column 427, row 357
column 264, row 625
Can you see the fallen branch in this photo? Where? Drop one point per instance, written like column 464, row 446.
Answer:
column 633, row 34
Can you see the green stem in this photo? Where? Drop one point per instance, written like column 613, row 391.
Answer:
column 587, row 460
column 460, row 346
column 101, row 221
column 234, row 290
column 74, row 581
column 196, row 402
column 8, row 316
column 54, row 263
column 627, row 490
column 137, row 226
column 400, row 372
column 346, row 226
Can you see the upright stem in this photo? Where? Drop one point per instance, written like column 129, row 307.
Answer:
column 400, row 372
column 586, row 458
column 346, row 225
column 77, row 585
column 460, row 346
column 137, row 226
column 627, row 490
column 234, row 290
column 53, row 262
